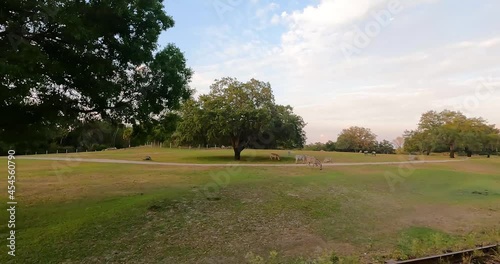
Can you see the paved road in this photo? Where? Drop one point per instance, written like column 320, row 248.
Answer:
column 228, row 164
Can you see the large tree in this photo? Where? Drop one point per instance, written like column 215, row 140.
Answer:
column 356, row 138
column 240, row 114
column 66, row 60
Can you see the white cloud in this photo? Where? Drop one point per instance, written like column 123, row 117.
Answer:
column 384, row 91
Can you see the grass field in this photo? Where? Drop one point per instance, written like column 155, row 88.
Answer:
column 205, row 156
column 71, row 212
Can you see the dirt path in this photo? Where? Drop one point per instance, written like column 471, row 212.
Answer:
column 231, row 164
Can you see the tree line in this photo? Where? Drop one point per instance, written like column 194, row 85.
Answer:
column 236, row 114
column 354, row 139
column 451, row 131
column 446, row 131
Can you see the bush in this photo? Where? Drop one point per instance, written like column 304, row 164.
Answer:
column 100, row 147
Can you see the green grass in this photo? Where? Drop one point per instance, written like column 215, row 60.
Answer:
column 94, row 213
column 205, row 156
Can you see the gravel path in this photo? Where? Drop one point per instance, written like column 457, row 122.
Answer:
column 231, row 164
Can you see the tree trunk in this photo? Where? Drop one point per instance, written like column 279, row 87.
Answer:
column 237, row 154
column 469, row 152
column 238, row 147
column 452, row 151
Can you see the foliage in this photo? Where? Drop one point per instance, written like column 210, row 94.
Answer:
column 286, row 128
column 454, row 131
column 241, row 115
column 385, row 147
column 76, row 60
column 356, row 138
column 418, row 141
column 330, row 145
column 315, row 146
column 127, row 135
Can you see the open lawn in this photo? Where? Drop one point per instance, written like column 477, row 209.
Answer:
column 72, row 212
column 206, row 156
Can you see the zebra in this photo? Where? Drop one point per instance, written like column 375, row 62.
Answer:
column 314, row 161
column 300, row 158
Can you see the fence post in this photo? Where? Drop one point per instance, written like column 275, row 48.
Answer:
column 36, row 152
column 170, row 145
column 66, row 150
column 57, row 151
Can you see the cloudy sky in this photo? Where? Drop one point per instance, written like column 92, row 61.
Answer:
column 339, row 63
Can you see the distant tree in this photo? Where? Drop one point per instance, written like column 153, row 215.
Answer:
column 95, row 135
column 355, row 139
column 127, row 135
column 385, row 147
column 451, row 129
column 315, row 146
column 165, row 127
column 492, row 142
column 330, row 145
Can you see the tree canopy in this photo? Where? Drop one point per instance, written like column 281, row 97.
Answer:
column 241, row 115
column 451, row 130
column 76, row 60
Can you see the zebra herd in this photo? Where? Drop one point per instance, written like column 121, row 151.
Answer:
column 311, row 160
column 305, row 159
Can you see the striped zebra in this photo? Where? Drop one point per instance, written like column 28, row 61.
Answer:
column 300, row 158
column 313, row 160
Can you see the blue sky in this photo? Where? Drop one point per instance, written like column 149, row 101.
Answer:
column 340, row 63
